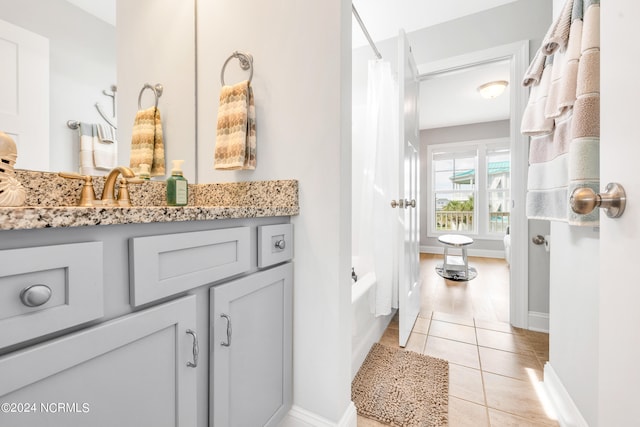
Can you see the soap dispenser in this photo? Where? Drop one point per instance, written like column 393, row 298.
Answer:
column 177, row 189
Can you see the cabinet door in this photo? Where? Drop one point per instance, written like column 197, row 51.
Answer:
column 128, row 372
column 251, row 349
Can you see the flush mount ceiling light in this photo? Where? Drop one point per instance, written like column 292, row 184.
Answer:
column 493, row 89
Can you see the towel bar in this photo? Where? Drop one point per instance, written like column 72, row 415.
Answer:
column 246, row 63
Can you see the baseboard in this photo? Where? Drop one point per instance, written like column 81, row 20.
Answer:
column 539, row 321
column 484, row 253
column 566, row 410
column 299, row 417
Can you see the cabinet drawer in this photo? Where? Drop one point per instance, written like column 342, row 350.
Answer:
column 168, row 264
column 71, row 276
column 275, row 244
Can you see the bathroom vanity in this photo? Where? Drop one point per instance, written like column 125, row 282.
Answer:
column 170, row 323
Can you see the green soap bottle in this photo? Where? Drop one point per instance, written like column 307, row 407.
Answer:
column 177, row 189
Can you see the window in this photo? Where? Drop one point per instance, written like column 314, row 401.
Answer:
column 469, row 192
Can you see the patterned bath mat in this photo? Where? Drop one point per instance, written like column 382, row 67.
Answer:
column 402, row 388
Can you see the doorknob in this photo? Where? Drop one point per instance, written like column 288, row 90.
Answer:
column 399, row 203
column 411, row 203
column 613, row 200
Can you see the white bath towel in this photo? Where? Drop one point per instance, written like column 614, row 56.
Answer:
column 105, row 148
column 89, row 140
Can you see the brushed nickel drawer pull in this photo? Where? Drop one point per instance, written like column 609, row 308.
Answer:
column 228, row 343
column 35, row 295
column 196, row 349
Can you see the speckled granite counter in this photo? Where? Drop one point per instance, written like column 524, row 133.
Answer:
column 51, row 199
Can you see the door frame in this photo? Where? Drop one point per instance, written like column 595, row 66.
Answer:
column 518, row 55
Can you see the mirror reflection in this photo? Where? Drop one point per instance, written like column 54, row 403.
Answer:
column 59, row 66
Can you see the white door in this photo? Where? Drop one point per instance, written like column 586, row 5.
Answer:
column 619, row 372
column 24, row 94
column 408, row 236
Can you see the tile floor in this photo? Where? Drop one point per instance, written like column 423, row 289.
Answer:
column 494, row 369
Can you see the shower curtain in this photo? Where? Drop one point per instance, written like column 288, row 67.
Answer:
column 376, row 221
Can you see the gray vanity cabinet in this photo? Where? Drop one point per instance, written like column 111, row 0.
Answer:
column 132, row 309
column 251, row 349
column 133, row 371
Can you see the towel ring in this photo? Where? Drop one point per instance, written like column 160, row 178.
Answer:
column 246, row 63
column 157, row 92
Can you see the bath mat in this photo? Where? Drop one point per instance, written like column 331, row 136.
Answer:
column 402, row 388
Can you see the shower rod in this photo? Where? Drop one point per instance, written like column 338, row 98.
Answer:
column 366, row 33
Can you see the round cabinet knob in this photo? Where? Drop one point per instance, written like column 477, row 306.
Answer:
column 35, row 295
column 280, row 244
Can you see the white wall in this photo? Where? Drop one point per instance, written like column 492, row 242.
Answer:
column 302, row 91
column 573, row 324
column 574, row 337
column 82, row 64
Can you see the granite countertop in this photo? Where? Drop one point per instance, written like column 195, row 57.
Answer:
column 51, row 199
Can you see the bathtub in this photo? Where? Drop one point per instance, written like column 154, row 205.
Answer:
column 366, row 328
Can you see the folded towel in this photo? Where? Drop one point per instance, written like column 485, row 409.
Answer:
column 534, row 73
column 236, row 131
column 558, row 35
column 86, row 166
column 147, row 145
column 534, row 121
column 105, row 148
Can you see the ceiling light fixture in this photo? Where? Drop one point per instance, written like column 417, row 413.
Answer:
column 493, row 89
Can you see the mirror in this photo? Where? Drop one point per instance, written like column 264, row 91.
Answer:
column 80, row 57
column 77, row 63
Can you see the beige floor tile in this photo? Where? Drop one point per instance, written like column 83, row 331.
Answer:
column 390, row 337
column 538, row 340
column 514, row 343
column 452, row 318
column 394, row 322
column 453, row 331
column 466, row 383
column 416, row 342
column 453, row 351
column 496, row 326
column 368, row 422
column 503, row 419
column 515, row 396
column 509, row 364
column 422, row 325
column 467, row 414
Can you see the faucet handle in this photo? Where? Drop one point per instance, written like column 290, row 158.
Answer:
column 88, row 194
column 123, row 193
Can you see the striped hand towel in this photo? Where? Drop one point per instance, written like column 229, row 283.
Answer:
column 236, row 131
column 147, row 145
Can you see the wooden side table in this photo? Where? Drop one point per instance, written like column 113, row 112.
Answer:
column 456, row 267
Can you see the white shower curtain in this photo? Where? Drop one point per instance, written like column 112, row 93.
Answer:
column 376, row 221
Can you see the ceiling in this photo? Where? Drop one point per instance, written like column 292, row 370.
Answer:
column 449, row 99
column 103, row 9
